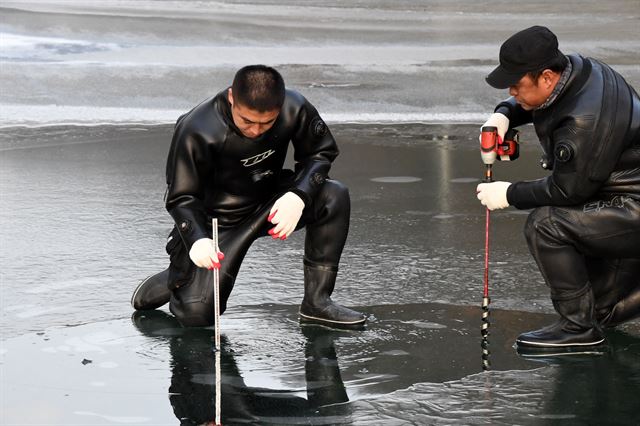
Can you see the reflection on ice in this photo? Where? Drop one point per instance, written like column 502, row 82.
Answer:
column 583, row 389
column 192, row 390
column 396, row 179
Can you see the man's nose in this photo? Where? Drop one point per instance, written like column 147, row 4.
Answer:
column 255, row 130
column 513, row 91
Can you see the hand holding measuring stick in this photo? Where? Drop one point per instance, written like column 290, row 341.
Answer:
column 205, row 253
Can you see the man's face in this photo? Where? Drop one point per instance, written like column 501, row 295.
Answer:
column 531, row 94
column 250, row 122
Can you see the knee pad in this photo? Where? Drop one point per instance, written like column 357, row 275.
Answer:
column 336, row 192
column 333, row 200
column 193, row 304
column 539, row 223
column 193, row 314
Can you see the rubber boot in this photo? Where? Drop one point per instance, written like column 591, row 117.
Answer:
column 576, row 327
column 317, row 306
column 625, row 310
column 616, row 289
column 152, row 292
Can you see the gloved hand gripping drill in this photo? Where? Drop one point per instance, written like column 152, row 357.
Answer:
column 493, row 147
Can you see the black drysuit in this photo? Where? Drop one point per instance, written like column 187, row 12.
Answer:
column 214, row 171
column 584, row 231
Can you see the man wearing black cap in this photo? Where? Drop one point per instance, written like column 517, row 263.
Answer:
column 584, row 229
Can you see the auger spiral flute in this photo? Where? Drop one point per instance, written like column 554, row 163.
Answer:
column 488, row 142
column 485, row 297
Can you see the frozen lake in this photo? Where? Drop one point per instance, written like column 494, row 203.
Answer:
column 83, row 222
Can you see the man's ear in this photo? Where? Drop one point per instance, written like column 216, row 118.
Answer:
column 230, row 96
column 548, row 78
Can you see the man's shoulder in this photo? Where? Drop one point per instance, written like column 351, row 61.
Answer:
column 297, row 105
column 294, row 99
column 205, row 118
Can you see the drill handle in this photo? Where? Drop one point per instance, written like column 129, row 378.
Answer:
column 509, row 148
column 489, row 140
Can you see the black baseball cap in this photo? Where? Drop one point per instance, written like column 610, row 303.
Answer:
column 529, row 50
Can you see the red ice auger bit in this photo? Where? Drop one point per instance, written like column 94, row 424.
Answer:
column 492, row 147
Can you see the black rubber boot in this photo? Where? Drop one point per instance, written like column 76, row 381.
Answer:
column 317, row 306
column 616, row 289
column 152, row 292
column 576, row 327
column 625, row 310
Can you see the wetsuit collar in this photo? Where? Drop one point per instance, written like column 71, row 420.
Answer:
column 225, row 109
column 562, row 82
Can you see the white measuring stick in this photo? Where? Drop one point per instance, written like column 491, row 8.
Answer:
column 218, row 391
column 216, row 286
column 216, row 314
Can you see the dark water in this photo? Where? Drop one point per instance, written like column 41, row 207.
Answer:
column 415, row 364
column 83, row 221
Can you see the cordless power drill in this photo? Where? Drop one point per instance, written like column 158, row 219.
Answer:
column 492, row 147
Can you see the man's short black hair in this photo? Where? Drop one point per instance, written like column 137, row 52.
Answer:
column 258, row 87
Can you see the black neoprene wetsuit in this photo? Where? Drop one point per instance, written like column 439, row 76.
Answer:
column 215, row 171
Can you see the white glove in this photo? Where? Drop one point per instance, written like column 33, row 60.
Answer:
column 203, row 254
column 500, row 122
column 493, row 195
column 285, row 214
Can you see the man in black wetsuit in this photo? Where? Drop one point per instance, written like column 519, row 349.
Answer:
column 225, row 162
column 584, row 230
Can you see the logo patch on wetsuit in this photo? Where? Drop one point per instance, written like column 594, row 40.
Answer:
column 318, row 127
column 248, row 162
column 563, row 152
column 616, row 202
column 317, row 179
